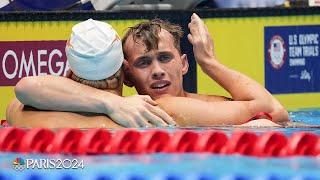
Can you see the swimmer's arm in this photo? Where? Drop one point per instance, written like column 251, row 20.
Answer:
column 209, row 98
column 242, row 88
column 62, row 94
column 195, row 112
column 19, row 115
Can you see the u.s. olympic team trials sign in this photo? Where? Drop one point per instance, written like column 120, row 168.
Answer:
column 292, row 61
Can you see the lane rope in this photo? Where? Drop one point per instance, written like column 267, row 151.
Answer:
column 131, row 141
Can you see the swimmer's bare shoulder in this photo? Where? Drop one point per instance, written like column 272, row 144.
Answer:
column 200, row 111
column 25, row 116
column 260, row 123
column 187, row 111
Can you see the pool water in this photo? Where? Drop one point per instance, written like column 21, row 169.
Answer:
column 182, row 166
column 308, row 116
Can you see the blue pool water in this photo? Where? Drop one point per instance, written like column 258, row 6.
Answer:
column 308, row 116
column 185, row 166
column 182, row 165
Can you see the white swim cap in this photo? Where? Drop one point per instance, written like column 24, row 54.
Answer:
column 94, row 50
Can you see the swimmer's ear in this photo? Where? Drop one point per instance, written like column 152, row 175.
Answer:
column 127, row 75
column 185, row 64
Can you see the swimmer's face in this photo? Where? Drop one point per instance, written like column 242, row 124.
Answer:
column 158, row 72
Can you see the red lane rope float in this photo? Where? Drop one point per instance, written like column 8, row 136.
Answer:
column 4, row 123
column 123, row 142
column 66, row 141
column 318, row 147
column 36, row 140
column 94, row 141
column 129, row 141
column 271, row 144
column 152, row 141
column 303, row 144
column 182, row 142
column 211, row 141
column 10, row 139
column 241, row 143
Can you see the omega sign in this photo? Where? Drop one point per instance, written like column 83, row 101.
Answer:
column 31, row 58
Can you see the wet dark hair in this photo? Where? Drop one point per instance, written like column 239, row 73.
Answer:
column 110, row 83
column 148, row 32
